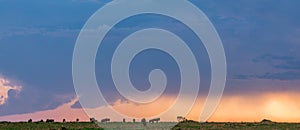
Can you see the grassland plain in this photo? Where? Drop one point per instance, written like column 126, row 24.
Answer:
column 138, row 126
column 192, row 125
column 186, row 125
column 49, row 126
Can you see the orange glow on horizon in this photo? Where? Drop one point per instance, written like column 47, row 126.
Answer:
column 280, row 107
column 144, row 110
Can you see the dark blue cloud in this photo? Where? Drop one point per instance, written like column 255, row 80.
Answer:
column 284, row 76
column 37, row 40
column 281, row 62
column 289, row 75
column 54, row 13
column 285, row 68
column 76, row 105
column 151, row 59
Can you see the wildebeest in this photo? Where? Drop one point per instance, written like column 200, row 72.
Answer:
column 30, row 120
column 77, row 120
column 93, row 120
column 64, row 120
column 50, row 120
column 105, row 120
column 133, row 120
column 180, row 118
column 154, row 120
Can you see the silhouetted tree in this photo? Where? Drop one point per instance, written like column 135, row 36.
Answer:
column 144, row 122
column 266, row 121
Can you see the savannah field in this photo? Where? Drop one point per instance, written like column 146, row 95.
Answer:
column 186, row 125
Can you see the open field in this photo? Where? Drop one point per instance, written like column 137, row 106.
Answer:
column 191, row 125
column 187, row 125
column 137, row 126
column 85, row 126
column 49, row 126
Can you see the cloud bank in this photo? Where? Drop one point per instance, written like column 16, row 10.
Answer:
column 5, row 87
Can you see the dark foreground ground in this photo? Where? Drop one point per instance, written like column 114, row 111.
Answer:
column 191, row 125
column 187, row 125
column 50, row 126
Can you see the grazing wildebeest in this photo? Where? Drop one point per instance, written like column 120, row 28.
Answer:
column 93, row 120
column 41, row 121
column 77, row 120
column 105, row 120
column 144, row 122
column 64, row 120
column 30, row 120
column 154, row 120
column 124, row 120
column 180, row 118
column 50, row 120
column 133, row 120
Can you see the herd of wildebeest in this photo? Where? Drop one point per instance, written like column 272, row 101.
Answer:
column 154, row 123
column 106, row 120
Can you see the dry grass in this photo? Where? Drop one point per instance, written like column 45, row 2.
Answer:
column 186, row 125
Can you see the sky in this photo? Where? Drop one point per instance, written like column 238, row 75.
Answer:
column 261, row 39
